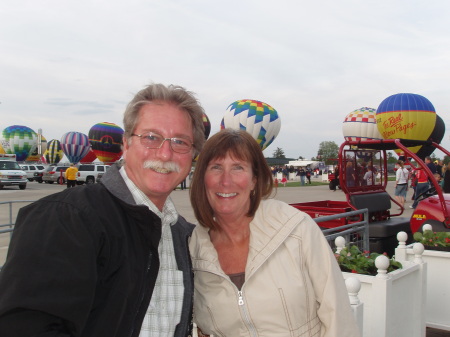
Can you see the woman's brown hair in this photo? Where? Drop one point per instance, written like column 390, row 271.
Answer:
column 239, row 145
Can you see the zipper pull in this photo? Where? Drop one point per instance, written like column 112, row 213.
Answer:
column 241, row 299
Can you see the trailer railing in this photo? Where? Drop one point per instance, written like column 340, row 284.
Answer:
column 355, row 233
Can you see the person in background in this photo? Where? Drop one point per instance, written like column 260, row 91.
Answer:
column 369, row 177
column 446, row 188
column 308, row 175
column 422, row 185
column 350, row 174
column 284, row 180
column 302, row 173
column 439, row 167
column 183, row 184
column 430, row 164
column 251, row 254
column 401, row 184
column 111, row 259
column 71, row 175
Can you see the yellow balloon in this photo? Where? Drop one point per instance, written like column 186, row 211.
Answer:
column 406, row 116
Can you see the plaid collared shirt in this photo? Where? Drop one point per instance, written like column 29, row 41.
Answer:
column 164, row 311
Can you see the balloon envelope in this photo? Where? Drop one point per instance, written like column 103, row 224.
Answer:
column 34, row 155
column 89, row 158
column 407, row 116
column 436, row 136
column 257, row 118
column 106, row 141
column 361, row 124
column 75, row 145
column 19, row 140
column 54, row 152
column 207, row 125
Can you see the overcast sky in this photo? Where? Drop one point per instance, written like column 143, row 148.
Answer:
column 66, row 65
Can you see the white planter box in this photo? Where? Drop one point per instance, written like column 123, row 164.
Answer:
column 438, row 285
column 394, row 303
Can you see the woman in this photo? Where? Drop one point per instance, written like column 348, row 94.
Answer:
column 401, row 184
column 262, row 267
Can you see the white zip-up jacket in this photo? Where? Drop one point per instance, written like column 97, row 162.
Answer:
column 293, row 285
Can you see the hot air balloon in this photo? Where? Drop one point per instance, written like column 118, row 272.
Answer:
column 75, row 145
column 436, row 136
column 54, row 152
column 106, row 141
column 19, row 140
column 257, row 118
column 361, row 124
column 89, row 158
column 34, row 155
column 407, row 116
column 207, row 125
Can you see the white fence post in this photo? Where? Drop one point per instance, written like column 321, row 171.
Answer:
column 353, row 287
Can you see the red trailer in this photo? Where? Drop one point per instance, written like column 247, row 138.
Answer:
column 363, row 177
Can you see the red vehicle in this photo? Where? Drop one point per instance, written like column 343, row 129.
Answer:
column 363, row 177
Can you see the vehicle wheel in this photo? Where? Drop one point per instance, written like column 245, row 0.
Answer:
column 30, row 179
column 90, row 180
column 1, row 187
column 331, row 186
column 60, row 180
column 39, row 181
column 22, row 187
column 49, row 182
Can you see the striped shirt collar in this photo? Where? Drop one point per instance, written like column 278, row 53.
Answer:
column 168, row 212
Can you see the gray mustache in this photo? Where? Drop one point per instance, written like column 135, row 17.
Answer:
column 156, row 164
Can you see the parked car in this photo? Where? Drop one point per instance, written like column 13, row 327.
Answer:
column 53, row 174
column 31, row 170
column 88, row 173
column 10, row 172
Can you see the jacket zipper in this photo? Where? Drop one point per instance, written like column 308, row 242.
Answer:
column 241, row 304
column 141, row 299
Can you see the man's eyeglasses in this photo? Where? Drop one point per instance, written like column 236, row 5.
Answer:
column 154, row 141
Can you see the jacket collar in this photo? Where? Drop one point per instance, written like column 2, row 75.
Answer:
column 273, row 222
column 115, row 184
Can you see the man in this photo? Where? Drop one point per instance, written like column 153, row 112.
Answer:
column 71, row 176
column 430, row 164
column 439, row 167
column 106, row 259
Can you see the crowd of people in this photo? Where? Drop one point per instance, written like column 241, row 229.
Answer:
column 304, row 174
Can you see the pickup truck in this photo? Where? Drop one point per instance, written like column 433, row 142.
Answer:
column 355, row 158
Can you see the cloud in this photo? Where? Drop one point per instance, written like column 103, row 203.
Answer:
column 67, row 65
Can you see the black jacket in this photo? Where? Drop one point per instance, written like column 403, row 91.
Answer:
column 84, row 262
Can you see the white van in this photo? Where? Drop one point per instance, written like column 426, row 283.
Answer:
column 10, row 172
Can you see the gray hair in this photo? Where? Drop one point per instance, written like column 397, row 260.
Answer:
column 174, row 94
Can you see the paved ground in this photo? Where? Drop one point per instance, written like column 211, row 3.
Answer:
column 35, row 191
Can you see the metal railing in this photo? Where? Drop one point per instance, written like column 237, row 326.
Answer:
column 8, row 218
column 355, row 233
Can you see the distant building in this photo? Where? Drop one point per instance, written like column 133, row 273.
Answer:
column 278, row 161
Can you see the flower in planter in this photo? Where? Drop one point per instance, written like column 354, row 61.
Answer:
column 352, row 260
column 432, row 239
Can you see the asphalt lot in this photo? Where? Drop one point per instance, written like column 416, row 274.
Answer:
column 35, row 191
